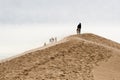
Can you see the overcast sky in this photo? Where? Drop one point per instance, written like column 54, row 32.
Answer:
column 27, row 24
column 59, row 11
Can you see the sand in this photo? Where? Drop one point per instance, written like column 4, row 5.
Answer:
column 77, row 57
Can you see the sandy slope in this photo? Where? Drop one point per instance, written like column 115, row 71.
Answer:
column 108, row 70
column 78, row 57
column 35, row 49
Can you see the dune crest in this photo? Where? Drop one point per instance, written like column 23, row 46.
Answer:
column 78, row 57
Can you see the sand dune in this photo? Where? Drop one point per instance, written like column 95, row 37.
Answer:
column 77, row 57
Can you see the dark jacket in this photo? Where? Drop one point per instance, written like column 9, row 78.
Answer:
column 79, row 26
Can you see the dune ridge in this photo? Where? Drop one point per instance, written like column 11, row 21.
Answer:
column 79, row 57
column 98, row 39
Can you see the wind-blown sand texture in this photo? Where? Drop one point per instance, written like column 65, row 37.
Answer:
column 77, row 57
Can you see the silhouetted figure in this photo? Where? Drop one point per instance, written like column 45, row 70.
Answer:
column 79, row 28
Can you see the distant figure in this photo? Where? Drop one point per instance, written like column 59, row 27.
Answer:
column 55, row 39
column 79, row 28
column 51, row 40
column 44, row 44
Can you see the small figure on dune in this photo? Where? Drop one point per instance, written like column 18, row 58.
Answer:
column 55, row 39
column 45, row 44
column 51, row 40
column 79, row 28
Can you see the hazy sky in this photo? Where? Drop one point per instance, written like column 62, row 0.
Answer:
column 27, row 24
column 59, row 11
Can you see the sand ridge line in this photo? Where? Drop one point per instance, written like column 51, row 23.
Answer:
column 36, row 49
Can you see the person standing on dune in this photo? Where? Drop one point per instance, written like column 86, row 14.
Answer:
column 79, row 28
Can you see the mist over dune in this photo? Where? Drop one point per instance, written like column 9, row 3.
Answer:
column 77, row 57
